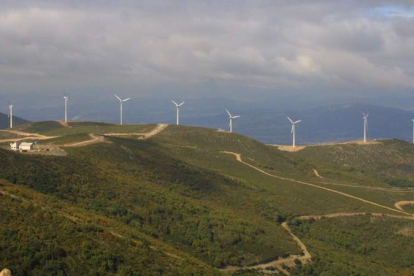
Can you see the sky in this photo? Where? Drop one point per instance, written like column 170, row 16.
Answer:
column 240, row 49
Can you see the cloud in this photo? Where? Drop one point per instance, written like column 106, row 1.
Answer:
column 255, row 44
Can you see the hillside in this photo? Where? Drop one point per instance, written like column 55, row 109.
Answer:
column 5, row 123
column 189, row 201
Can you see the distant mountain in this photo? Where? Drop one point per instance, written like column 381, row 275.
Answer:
column 324, row 124
column 4, row 121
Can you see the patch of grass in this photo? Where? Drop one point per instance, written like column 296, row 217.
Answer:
column 67, row 139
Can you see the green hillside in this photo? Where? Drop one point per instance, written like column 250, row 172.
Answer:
column 389, row 162
column 180, row 201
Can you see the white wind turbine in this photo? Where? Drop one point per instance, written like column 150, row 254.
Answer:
column 66, row 97
column 231, row 117
column 365, row 126
column 178, row 110
column 293, row 131
column 120, row 107
column 11, row 114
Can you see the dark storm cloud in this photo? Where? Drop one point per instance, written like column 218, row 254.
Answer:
column 258, row 44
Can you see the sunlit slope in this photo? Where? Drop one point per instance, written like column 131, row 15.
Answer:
column 204, row 148
column 389, row 162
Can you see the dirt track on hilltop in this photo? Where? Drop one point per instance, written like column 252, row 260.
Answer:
column 238, row 157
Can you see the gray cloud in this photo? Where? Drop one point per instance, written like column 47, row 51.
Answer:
column 272, row 45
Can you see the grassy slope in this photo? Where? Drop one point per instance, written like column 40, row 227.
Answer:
column 203, row 148
column 390, row 163
column 53, row 128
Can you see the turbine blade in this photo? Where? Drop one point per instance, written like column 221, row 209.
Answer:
column 234, row 117
column 291, row 131
column 181, row 103
column 118, row 98
column 298, row 121
column 290, row 119
column 127, row 99
column 228, row 113
column 175, row 103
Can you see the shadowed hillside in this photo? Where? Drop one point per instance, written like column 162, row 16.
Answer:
column 5, row 121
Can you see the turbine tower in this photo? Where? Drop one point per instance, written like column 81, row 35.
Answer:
column 66, row 97
column 231, row 117
column 293, row 131
column 120, row 107
column 11, row 114
column 413, row 131
column 365, row 126
column 178, row 111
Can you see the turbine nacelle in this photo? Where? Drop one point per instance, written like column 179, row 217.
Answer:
column 231, row 116
column 178, row 105
column 120, row 100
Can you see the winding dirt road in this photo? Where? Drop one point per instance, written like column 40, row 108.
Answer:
column 155, row 131
column 94, row 140
column 26, row 136
column 306, row 257
column 279, row 263
column 238, row 157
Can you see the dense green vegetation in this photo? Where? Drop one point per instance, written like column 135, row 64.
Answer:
column 167, row 210
column 180, row 191
column 44, row 241
column 360, row 245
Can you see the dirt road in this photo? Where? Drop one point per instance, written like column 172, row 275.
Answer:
column 155, row 131
column 238, row 157
column 94, row 140
column 26, row 136
column 317, row 173
column 402, row 203
column 64, row 124
column 279, row 263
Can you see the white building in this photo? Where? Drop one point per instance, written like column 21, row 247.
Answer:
column 25, row 146
column 14, row 146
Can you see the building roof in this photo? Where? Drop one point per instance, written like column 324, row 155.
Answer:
column 26, row 144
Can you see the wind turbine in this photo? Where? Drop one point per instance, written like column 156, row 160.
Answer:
column 11, row 114
column 66, row 97
column 120, row 107
column 365, row 126
column 231, row 117
column 293, row 131
column 178, row 110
